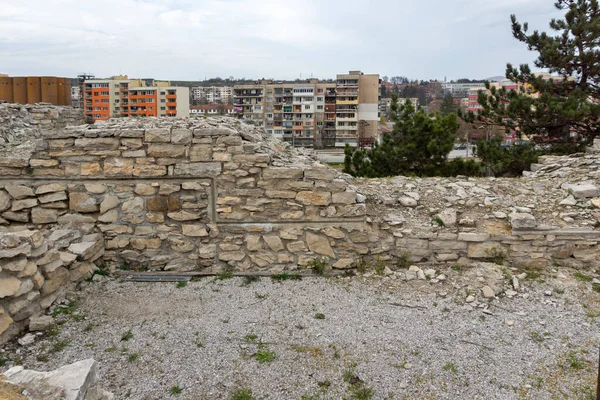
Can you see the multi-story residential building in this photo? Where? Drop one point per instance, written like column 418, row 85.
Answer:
column 212, row 109
column 313, row 113
column 212, row 94
column 460, row 90
column 123, row 97
column 35, row 89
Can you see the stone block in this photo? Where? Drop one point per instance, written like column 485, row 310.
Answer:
column 344, row 198
column 280, row 194
column 19, row 205
column 158, row 135
column 194, row 230
column 274, row 242
column 473, row 237
column 183, row 216
column 5, row 201
column 52, row 197
column 181, row 136
column 314, row 198
column 157, row 203
column 282, row 173
column 201, row 152
column 118, row 166
column 82, row 202
column 322, row 174
column 50, row 188
column 319, row 244
column 207, row 169
column 44, row 215
column 166, row 150
column 18, row 192
column 485, row 250
column 296, row 247
column 90, row 169
column 105, row 143
column 147, row 171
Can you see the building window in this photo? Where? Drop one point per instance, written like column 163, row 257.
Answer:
column 307, row 107
column 319, row 107
column 163, row 108
column 162, row 100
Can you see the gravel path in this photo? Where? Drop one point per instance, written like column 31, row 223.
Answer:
column 329, row 339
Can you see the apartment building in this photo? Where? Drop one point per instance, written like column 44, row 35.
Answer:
column 212, row 109
column 212, row 94
column 313, row 113
column 35, row 89
column 460, row 90
column 120, row 96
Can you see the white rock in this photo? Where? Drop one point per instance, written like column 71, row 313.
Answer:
column 470, row 299
column 509, row 322
column 488, row 292
column 569, row 201
column 27, row 340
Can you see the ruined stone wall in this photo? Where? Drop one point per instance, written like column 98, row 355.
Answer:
column 20, row 123
column 186, row 195
column 37, row 267
column 205, row 194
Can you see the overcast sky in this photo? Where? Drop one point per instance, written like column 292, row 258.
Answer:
column 281, row 39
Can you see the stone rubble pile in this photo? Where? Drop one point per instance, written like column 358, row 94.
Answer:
column 36, row 269
column 23, row 123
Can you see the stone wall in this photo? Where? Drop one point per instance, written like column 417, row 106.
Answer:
column 37, row 267
column 186, row 195
column 204, row 195
column 21, row 123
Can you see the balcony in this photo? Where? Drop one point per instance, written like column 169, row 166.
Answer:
column 171, row 96
column 171, row 104
column 347, row 102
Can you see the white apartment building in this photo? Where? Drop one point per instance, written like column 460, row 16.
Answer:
column 212, row 94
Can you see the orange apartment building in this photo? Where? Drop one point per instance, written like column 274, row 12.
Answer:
column 35, row 89
column 123, row 97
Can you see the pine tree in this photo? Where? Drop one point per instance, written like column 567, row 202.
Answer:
column 564, row 109
column 418, row 145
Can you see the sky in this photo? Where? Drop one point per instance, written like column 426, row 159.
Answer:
column 279, row 39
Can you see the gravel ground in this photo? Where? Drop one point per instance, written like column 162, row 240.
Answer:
column 330, row 338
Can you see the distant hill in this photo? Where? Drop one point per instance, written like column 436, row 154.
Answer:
column 495, row 78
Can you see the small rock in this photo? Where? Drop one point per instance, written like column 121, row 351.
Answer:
column 569, row 201
column 41, row 323
column 421, row 275
column 27, row 340
column 488, row 292
column 509, row 322
column 470, row 299
column 548, row 293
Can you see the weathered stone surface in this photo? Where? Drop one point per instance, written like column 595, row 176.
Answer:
column 41, row 323
column 181, row 136
column 18, row 192
column 296, row 247
column 9, row 285
column 50, row 188
column 146, row 171
column 5, row 201
column 487, row 292
column 280, row 194
column 206, row 169
column 144, row 189
column 158, row 203
column 232, row 256
column 82, row 202
column 485, row 250
column 108, row 203
column 166, row 150
column 19, row 205
column 314, row 198
column 52, row 197
column 183, row 216
column 282, row 173
column 253, row 243
column 158, row 136
column 274, row 242
column 343, row 263
column 133, row 206
column 43, row 215
column 194, row 230
column 473, row 237
column 448, row 217
column 117, row 166
column 582, row 191
column 71, row 382
column 344, row 197
column 14, row 264
column 522, row 221
column 10, row 252
column 322, row 174
column 201, row 152
column 319, row 244
column 96, row 188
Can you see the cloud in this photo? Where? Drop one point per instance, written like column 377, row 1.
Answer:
column 186, row 39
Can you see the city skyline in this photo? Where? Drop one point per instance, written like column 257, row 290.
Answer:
column 256, row 39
